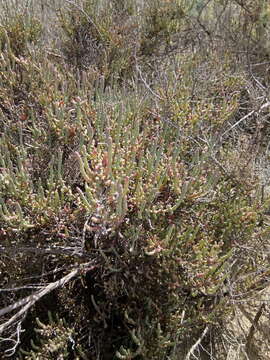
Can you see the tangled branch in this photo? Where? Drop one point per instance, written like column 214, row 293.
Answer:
column 30, row 300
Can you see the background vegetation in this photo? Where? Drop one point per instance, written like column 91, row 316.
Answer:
column 134, row 183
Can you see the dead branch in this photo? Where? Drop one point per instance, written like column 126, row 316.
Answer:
column 197, row 343
column 29, row 301
column 267, row 104
column 253, row 327
column 57, row 250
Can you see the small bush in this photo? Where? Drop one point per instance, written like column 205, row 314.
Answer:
column 17, row 33
column 131, row 205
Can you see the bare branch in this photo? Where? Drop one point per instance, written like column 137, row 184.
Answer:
column 247, row 116
column 197, row 343
column 29, row 301
column 22, row 288
column 147, row 85
column 72, row 251
column 17, row 335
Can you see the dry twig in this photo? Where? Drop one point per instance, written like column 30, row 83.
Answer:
column 197, row 343
column 29, row 301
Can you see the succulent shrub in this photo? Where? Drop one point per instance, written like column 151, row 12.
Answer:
column 101, row 36
column 115, row 37
column 56, row 338
column 135, row 189
column 17, row 32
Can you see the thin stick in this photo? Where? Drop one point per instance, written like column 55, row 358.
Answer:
column 252, row 329
column 197, row 343
column 247, row 116
column 32, row 299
